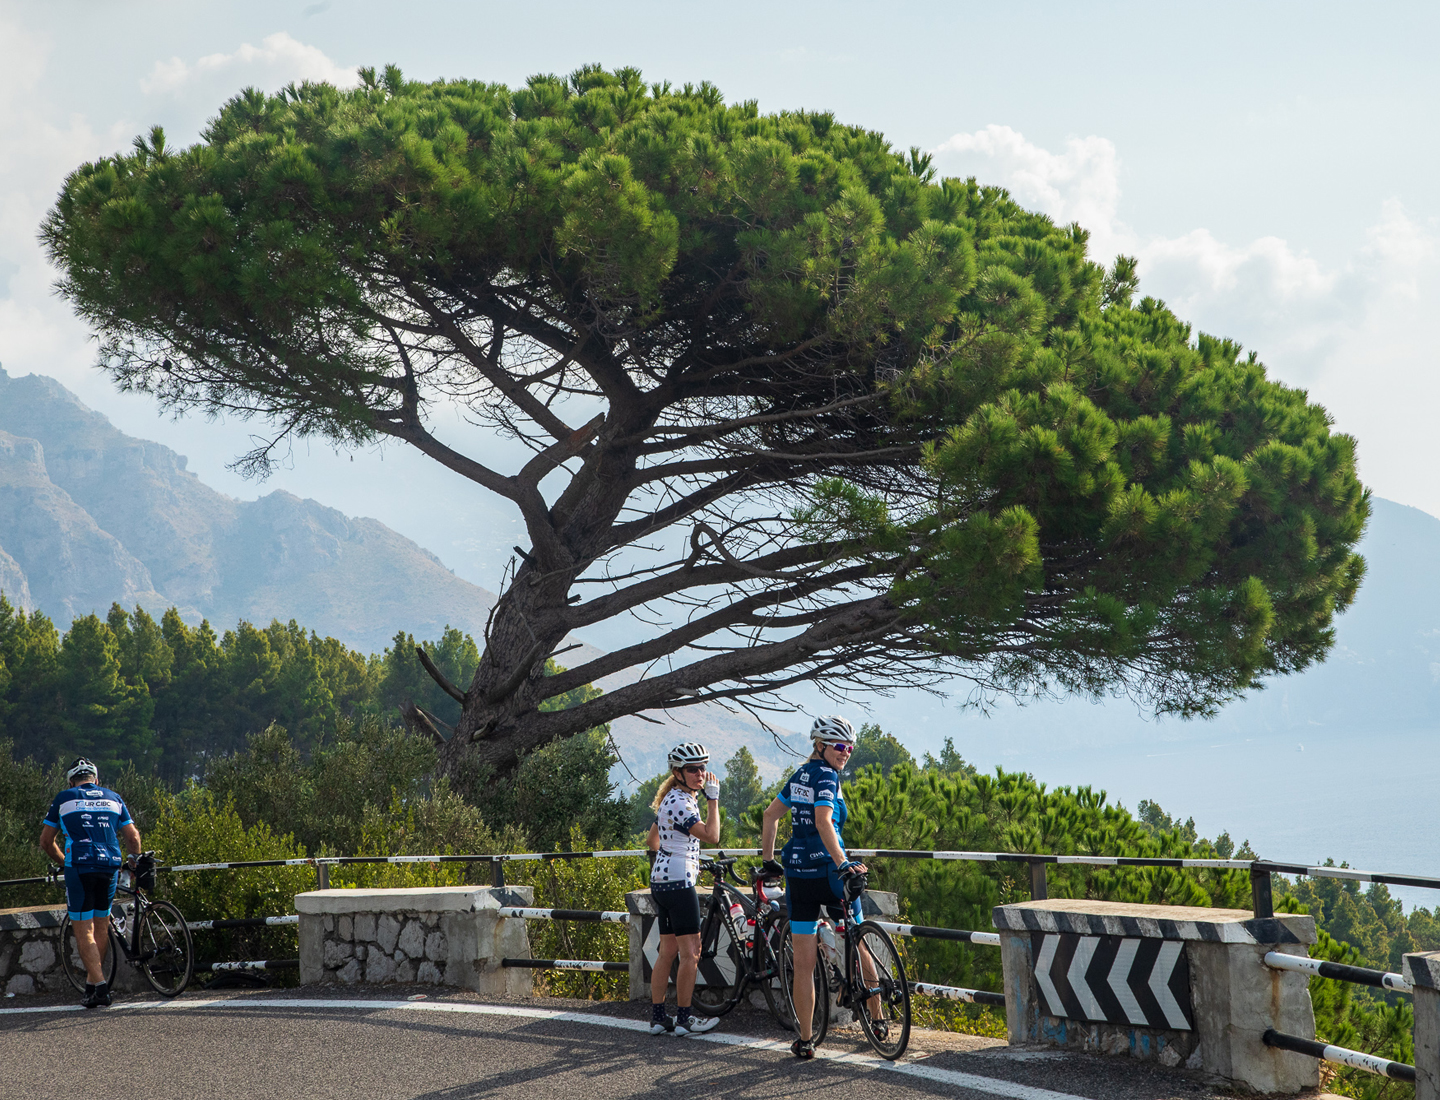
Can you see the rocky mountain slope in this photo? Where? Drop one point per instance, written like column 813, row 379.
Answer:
column 90, row 516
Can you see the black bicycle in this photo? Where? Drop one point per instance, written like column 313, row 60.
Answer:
column 159, row 944
column 753, row 931
column 867, row 976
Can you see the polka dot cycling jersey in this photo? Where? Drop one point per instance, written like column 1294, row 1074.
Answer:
column 677, row 863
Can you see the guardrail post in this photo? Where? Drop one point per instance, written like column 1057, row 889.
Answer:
column 1039, row 888
column 1422, row 970
column 1262, row 900
column 497, row 872
column 322, row 876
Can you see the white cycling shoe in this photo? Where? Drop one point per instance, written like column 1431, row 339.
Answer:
column 696, row 1025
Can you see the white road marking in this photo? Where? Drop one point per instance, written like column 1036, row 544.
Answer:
column 992, row 1086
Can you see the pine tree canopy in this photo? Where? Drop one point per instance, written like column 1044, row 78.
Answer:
column 804, row 411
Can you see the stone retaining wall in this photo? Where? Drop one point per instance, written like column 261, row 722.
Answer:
column 30, row 953
column 385, row 947
column 449, row 935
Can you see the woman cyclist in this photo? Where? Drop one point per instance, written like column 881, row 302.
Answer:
column 675, row 838
column 814, row 857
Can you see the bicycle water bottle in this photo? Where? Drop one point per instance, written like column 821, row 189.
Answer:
column 827, row 940
column 737, row 914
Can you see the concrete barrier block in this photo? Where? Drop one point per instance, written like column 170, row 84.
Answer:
column 445, row 936
column 1177, row 985
column 1422, row 970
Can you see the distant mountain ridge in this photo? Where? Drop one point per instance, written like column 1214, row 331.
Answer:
column 90, row 515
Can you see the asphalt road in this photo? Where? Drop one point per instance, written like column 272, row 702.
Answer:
column 292, row 1043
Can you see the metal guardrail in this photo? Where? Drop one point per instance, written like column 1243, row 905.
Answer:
column 565, row 964
column 1343, row 1056
column 1341, row 972
column 958, row 993
column 1260, row 870
column 923, row 931
column 240, row 922
column 249, row 964
column 565, row 914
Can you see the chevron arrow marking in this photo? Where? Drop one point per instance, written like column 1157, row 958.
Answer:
column 1160, row 984
column 1042, row 976
column 1084, row 952
column 1119, row 981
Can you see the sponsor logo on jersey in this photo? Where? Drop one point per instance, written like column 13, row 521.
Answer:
column 801, row 793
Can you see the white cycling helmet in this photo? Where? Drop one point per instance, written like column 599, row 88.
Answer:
column 79, row 768
column 688, row 752
column 831, row 728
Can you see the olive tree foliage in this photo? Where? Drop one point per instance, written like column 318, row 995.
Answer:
column 806, row 411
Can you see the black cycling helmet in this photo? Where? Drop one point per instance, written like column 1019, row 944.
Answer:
column 81, row 767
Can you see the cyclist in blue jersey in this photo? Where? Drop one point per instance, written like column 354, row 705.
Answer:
column 814, row 859
column 94, row 821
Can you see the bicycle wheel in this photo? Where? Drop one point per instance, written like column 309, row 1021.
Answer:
column 820, row 1017
column 881, row 993
column 167, row 955
column 71, row 963
column 723, row 965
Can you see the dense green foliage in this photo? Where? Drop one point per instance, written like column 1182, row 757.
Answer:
column 908, row 427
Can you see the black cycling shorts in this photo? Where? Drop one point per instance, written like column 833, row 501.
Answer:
column 88, row 894
column 679, row 911
column 805, row 898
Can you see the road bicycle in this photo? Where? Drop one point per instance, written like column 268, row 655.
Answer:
column 755, row 930
column 867, row 975
column 159, row 944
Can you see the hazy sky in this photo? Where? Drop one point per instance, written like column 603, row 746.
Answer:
column 1268, row 163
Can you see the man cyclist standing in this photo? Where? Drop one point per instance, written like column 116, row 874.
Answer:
column 815, row 864
column 93, row 820
column 675, row 839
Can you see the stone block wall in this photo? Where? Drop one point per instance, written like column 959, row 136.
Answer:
column 450, row 935
column 385, row 947
column 30, row 953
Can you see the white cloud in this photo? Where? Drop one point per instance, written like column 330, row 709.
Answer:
column 1082, row 184
column 1357, row 334
column 277, row 60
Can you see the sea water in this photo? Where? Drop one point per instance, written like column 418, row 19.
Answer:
column 1366, row 800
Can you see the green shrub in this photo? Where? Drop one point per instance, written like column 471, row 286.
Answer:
column 580, row 884
column 194, row 827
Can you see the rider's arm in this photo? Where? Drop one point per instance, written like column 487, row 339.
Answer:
column 49, row 845
column 773, row 813
column 652, row 839
column 708, row 831
column 130, row 837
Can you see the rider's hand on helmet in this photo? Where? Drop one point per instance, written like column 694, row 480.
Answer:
column 712, row 786
column 771, row 869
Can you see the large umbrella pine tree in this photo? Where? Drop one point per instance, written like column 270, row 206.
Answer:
column 800, row 410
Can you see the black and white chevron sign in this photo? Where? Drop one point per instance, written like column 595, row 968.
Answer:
column 1114, row 979
column 719, row 971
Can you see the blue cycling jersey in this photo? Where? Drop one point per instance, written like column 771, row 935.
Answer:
column 815, row 783
column 90, row 817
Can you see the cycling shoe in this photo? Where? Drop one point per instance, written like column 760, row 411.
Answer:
column 696, row 1025
column 804, row 1049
